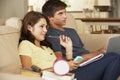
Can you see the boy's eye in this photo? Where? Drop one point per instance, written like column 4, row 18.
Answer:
column 60, row 13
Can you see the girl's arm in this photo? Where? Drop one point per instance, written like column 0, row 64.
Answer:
column 26, row 62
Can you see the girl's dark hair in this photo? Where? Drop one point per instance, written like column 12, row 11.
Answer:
column 51, row 6
column 31, row 18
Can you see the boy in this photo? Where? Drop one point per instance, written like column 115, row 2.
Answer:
column 55, row 11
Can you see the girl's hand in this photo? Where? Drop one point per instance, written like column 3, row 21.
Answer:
column 73, row 65
column 66, row 42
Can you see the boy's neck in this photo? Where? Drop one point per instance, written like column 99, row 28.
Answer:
column 58, row 27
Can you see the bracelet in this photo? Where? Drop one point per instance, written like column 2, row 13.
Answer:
column 70, row 59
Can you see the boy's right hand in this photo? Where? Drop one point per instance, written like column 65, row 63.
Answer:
column 65, row 41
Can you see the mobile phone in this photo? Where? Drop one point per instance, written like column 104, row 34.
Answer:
column 78, row 59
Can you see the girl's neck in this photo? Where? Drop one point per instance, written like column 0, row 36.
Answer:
column 37, row 43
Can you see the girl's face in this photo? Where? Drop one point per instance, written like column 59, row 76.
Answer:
column 39, row 30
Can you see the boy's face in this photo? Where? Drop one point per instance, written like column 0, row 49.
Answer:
column 59, row 18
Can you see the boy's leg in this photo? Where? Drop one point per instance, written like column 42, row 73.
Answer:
column 107, row 68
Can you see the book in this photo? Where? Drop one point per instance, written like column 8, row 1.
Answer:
column 48, row 75
column 91, row 60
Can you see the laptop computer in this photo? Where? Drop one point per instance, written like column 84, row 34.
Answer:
column 114, row 44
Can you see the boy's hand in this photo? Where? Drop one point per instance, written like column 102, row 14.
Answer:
column 66, row 42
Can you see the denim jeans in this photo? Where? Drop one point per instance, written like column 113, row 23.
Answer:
column 107, row 68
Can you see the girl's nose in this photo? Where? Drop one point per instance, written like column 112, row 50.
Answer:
column 44, row 29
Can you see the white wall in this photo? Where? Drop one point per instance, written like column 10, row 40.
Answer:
column 37, row 4
column 12, row 8
column 103, row 2
column 81, row 25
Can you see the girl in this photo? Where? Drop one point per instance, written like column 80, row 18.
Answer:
column 33, row 48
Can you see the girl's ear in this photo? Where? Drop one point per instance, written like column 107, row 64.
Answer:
column 29, row 28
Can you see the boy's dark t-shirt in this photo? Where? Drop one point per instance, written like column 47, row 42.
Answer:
column 78, row 47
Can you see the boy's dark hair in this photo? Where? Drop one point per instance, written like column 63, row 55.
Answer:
column 51, row 6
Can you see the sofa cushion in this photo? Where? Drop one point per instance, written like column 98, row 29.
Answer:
column 13, row 22
column 9, row 58
column 7, row 30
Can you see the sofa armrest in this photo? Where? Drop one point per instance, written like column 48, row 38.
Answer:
column 2, row 22
column 7, row 76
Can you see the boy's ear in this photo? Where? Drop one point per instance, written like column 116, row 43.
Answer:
column 50, row 18
column 29, row 27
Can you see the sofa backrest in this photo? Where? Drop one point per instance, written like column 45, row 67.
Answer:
column 94, row 42
column 9, row 58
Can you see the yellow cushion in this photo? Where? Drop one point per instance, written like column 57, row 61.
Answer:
column 30, row 73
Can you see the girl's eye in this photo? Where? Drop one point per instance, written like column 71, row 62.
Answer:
column 44, row 26
column 41, row 26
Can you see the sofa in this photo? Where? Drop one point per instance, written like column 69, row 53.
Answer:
column 9, row 37
column 10, row 65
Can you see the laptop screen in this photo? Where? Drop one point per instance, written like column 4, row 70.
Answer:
column 114, row 44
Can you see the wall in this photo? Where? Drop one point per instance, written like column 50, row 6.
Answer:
column 81, row 25
column 118, row 8
column 37, row 4
column 79, row 14
column 12, row 8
